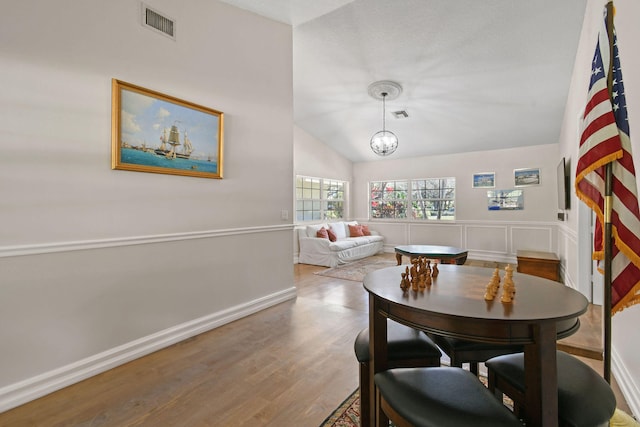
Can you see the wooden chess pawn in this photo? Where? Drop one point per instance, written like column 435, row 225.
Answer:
column 427, row 280
column 404, row 283
column 489, row 294
column 507, row 291
column 421, row 282
column 435, row 271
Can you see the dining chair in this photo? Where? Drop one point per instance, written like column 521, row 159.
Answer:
column 439, row 397
column 585, row 399
column 407, row 347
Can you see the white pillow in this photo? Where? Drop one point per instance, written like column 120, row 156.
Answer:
column 312, row 230
column 339, row 229
column 346, row 226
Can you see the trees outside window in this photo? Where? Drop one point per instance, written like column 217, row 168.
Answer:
column 429, row 199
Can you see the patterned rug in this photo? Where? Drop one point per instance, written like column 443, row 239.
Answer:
column 348, row 414
column 356, row 270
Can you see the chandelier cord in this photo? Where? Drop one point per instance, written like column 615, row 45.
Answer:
column 384, row 96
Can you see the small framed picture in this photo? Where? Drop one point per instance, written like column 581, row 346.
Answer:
column 484, row 180
column 505, row 200
column 525, row 177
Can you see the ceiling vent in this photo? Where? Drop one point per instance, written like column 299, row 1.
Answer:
column 402, row 114
column 158, row 22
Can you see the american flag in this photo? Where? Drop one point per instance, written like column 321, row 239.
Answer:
column 605, row 139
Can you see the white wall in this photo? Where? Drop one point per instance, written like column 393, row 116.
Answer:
column 101, row 266
column 625, row 346
column 489, row 235
column 314, row 158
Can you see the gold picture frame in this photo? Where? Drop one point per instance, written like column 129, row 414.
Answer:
column 158, row 133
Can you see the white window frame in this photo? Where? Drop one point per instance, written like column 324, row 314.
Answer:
column 322, row 201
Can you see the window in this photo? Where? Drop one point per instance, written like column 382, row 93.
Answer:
column 389, row 199
column 319, row 198
column 432, row 198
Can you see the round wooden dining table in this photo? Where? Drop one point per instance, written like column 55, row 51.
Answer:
column 541, row 312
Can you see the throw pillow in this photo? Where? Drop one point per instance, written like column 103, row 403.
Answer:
column 365, row 230
column 356, row 230
column 346, row 226
column 332, row 235
column 322, row 233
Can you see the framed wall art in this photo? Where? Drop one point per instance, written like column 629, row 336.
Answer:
column 505, row 200
column 153, row 132
column 526, row 177
column 484, row 180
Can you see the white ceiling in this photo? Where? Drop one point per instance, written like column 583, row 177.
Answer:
column 476, row 74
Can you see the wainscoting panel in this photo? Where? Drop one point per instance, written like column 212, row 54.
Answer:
column 532, row 238
column 440, row 234
column 487, row 238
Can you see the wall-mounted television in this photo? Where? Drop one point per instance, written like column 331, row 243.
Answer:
column 562, row 180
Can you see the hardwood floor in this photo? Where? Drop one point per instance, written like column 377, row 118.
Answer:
column 289, row 365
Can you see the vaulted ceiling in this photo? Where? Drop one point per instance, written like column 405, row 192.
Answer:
column 476, row 74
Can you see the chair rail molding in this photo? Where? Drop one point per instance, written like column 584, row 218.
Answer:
column 43, row 248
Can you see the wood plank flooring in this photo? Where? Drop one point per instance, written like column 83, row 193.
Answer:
column 289, row 365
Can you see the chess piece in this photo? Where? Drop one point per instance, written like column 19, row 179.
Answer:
column 509, row 278
column 506, row 295
column 435, row 271
column 508, row 288
column 422, row 282
column 404, row 283
column 427, row 280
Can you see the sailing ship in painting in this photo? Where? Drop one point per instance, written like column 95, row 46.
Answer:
column 169, row 144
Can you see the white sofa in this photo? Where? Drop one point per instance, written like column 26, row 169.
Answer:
column 321, row 251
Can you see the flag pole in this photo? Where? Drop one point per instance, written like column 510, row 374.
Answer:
column 607, row 274
column 607, row 220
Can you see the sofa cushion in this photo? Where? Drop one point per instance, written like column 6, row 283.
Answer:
column 355, row 231
column 342, row 244
column 339, row 229
column 332, row 236
column 322, row 233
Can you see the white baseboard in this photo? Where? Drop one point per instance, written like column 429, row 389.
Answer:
column 629, row 388
column 30, row 389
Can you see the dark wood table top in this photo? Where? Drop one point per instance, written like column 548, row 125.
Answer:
column 459, row 291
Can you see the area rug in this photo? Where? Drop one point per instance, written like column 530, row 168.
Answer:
column 356, row 270
column 348, row 413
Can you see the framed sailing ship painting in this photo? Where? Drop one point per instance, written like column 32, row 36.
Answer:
column 153, row 132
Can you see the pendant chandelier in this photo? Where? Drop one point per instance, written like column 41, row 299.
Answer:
column 384, row 142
